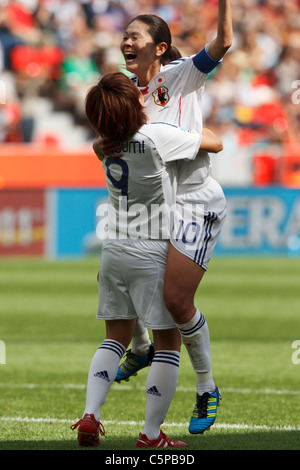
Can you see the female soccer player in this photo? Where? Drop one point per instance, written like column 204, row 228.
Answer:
column 173, row 94
column 132, row 269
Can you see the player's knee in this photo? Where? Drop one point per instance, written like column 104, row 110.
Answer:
column 178, row 304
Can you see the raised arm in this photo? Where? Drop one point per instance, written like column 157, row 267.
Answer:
column 220, row 45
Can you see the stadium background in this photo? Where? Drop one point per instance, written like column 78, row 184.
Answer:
column 50, row 181
column 51, row 185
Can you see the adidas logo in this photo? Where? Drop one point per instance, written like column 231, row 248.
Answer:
column 102, row 375
column 153, row 391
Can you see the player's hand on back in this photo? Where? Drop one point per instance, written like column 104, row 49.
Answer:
column 104, row 147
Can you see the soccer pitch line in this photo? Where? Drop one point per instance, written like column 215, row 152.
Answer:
column 225, row 426
column 121, row 387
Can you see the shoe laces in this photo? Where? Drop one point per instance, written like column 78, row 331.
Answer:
column 151, row 353
column 202, row 402
column 166, row 438
column 128, row 354
column 102, row 430
column 74, row 426
column 101, row 427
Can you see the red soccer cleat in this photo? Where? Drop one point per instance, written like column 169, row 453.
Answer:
column 88, row 432
column 161, row 441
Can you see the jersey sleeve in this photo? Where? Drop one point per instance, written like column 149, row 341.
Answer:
column 174, row 143
column 204, row 62
column 193, row 70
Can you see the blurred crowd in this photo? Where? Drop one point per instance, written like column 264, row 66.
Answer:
column 51, row 51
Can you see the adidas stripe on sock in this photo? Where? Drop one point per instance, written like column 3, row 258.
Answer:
column 160, row 387
column 195, row 337
column 192, row 326
column 113, row 346
column 102, row 373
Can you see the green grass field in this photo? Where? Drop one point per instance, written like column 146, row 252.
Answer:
column 48, row 325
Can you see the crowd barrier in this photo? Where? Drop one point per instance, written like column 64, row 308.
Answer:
column 283, row 169
column 50, row 200
column 45, row 166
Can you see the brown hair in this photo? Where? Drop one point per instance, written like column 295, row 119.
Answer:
column 113, row 108
column 160, row 32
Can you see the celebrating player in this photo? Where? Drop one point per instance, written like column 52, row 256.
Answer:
column 132, row 270
column 173, row 94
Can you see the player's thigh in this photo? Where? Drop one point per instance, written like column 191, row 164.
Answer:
column 199, row 218
column 114, row 299
column 145, row 280
column 182, row 278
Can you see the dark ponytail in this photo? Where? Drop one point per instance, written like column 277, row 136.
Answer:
column 172, row 53
column 160, row 32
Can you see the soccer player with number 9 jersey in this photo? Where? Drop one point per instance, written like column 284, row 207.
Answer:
column 133, row 258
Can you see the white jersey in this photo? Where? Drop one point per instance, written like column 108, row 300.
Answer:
column 142, row 184
column 174, row 96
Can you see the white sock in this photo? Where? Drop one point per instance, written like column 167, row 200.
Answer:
column 195, row 337
column 102, row 373
column 140, row 341
column 160, row 387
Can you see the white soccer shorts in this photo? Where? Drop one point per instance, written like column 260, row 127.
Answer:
column 200, row 215
column 131, row 282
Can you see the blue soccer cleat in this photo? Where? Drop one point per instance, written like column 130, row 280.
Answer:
column 205, row 412
column 133, row 363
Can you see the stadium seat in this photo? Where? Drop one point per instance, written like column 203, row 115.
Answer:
column 265, row 169
column 36, row 61
column 290, row 166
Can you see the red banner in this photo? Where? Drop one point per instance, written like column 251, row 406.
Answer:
column 22, row 222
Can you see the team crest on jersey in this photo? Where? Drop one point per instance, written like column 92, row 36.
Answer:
column 161, row 96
